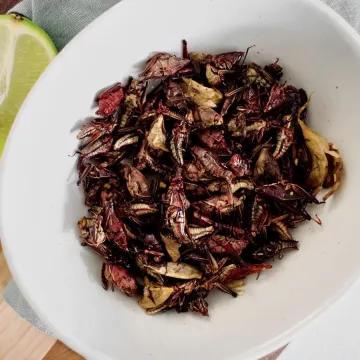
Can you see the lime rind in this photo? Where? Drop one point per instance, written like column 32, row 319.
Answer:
column 25, row 52
column 21, row 25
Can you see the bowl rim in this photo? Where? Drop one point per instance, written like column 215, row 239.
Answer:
column 76, row 345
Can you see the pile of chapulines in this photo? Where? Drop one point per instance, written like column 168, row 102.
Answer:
column 194, row 174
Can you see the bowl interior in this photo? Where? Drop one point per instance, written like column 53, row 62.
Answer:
column 40, row 202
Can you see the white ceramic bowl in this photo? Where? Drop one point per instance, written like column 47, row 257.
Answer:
column 40, row 202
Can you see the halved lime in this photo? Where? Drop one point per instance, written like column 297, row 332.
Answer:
column 25, row 52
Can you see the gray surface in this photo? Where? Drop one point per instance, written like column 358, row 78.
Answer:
column 62, row 20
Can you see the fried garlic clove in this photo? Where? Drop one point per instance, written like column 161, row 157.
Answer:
column 197, row 56
column 317, row 147
column 154, row 295
column 212, row 75
column 201, row 94
column 176, row 270
column 157, row 134
column 172, row 247
column 156, row 309
column 236, row 285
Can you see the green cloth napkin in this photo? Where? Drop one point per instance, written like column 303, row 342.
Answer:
column 63, row 19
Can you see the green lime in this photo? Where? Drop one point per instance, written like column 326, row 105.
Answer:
column 25, row 52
